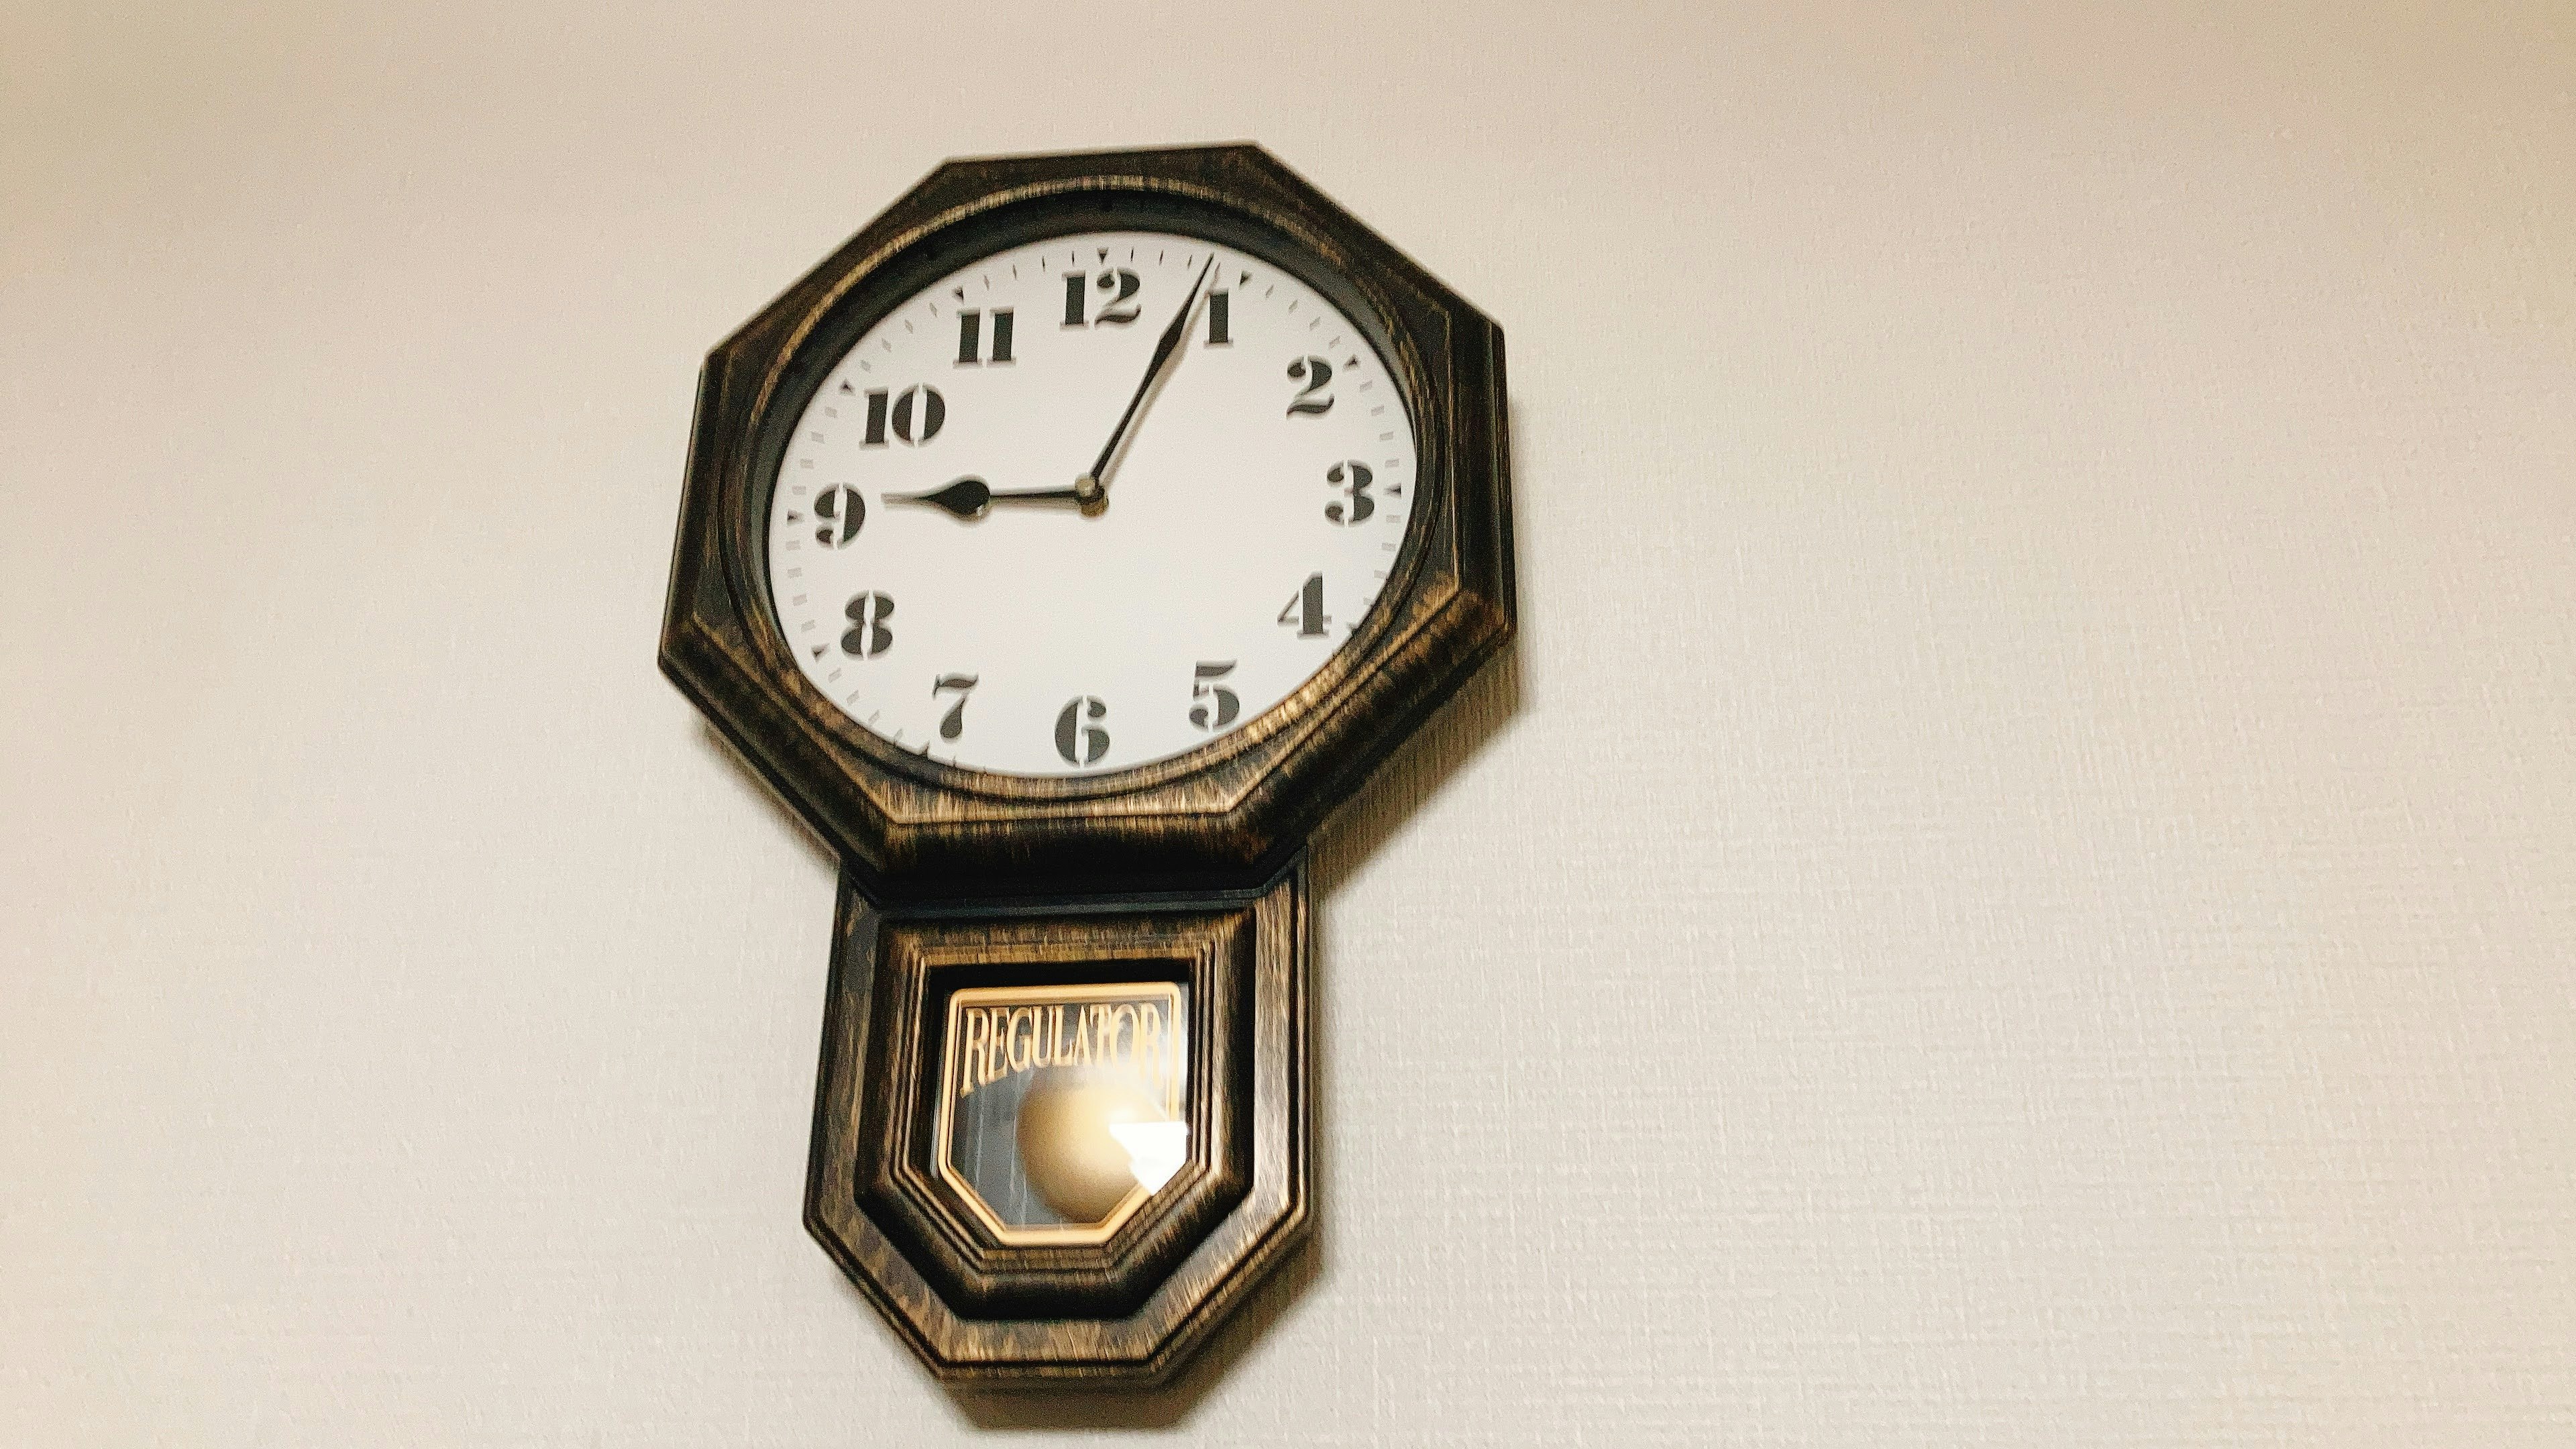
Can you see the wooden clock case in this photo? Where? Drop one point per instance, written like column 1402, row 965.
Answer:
column 1188, row 869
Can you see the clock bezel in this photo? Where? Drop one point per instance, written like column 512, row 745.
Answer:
column 869, row 297
column 1227, row 813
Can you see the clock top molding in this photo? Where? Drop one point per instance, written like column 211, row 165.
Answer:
column 1226, row 814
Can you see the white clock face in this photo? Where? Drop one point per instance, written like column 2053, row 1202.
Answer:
column 948, row 575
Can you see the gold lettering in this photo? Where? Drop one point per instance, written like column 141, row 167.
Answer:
column 1020, row 1056
column 970, row 1038
column 1082, row 1033
column 1149, row 1044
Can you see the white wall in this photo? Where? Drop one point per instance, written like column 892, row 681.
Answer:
column 2021, row 890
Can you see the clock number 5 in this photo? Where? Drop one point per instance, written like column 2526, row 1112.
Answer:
column 1078, row 733
column 1355, row 504
column 1213, row 705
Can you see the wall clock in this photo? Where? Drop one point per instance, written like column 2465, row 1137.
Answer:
column 1062, row 549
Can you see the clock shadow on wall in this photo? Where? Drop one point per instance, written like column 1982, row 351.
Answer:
column 1067, row 720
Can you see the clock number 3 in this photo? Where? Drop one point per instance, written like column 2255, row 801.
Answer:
column 1213, row 706
column 1355, row 503
column 1079, row 736
column 953, row 723
column 867, row 636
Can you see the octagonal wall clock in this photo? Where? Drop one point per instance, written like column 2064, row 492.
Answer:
column 1062, row 549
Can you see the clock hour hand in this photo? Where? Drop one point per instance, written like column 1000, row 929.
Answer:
column 969, row 499
column 1094, row 485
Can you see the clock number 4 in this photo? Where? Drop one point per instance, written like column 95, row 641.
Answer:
column 1213, row 706
column 1305, row 611
column 1121, row 310
column 1079, row 736
column 953, row 723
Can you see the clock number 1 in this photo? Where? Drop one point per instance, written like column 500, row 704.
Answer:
column 1078, row 734
column 1305, row 609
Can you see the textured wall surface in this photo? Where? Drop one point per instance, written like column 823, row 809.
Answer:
column 2020, row 888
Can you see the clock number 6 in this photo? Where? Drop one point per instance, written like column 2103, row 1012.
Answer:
column 1078, row 735
column 1355, row 503
column 1213, row 706
column 867, row 636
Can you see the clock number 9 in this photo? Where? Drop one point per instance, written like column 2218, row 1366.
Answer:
column 1355, row 504
column 1078, row 735
column 867, row 636
column 1214, row 706
column 843, row 511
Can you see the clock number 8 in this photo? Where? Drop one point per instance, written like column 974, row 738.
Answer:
column 1355, row 504
column 867, row 636
column 1078, row 735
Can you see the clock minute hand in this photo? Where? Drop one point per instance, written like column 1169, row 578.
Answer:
column 1094, row 485
column 970, row 499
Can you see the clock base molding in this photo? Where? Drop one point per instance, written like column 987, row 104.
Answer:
column 1060, row 1141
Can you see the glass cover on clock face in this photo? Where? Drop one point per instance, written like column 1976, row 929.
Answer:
column 1013, row 532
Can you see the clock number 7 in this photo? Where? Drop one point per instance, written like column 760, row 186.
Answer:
column 953, row 723
column 1305, row 611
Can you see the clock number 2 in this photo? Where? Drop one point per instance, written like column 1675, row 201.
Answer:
column 1078, row 733
column 1213, row 706
column 953, row 723
column 1355, row 504
column 867, row 636
column 1316, row 374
